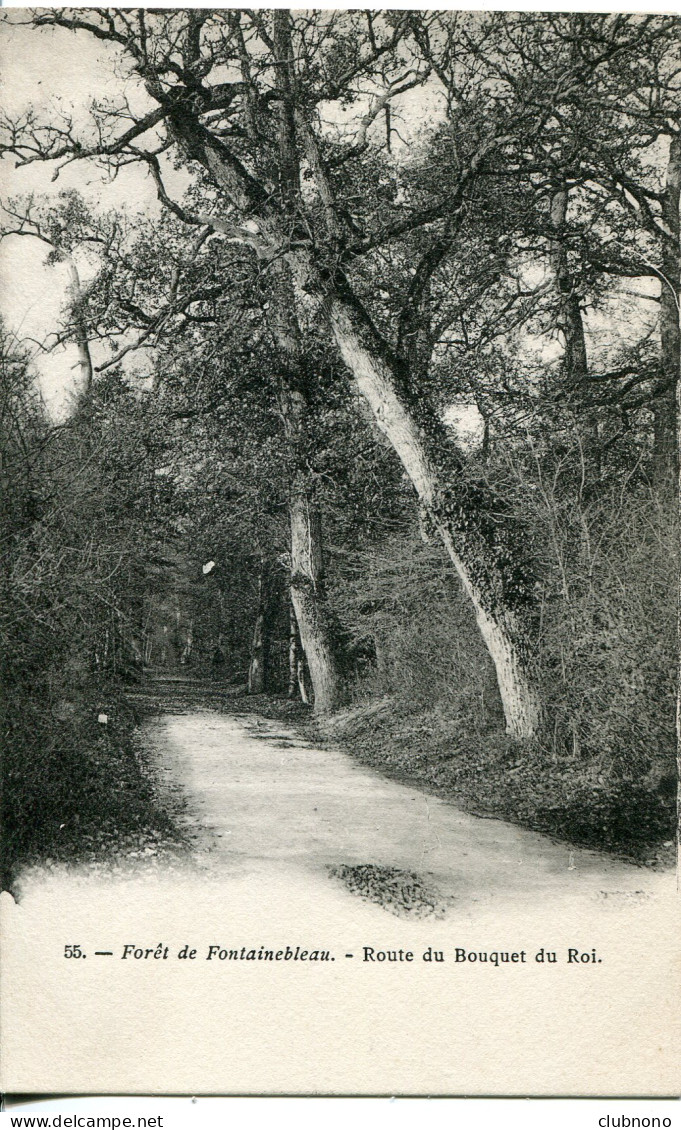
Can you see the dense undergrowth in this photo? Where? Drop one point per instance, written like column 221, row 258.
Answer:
column 78, row 527
column 76, row 789
column 603, row 771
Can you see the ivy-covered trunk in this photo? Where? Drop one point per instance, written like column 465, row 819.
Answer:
column 485, row 544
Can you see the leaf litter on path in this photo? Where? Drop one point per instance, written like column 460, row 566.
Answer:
column 403, row 893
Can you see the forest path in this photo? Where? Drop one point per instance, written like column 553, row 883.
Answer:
column 265, row 801
column 539, row 969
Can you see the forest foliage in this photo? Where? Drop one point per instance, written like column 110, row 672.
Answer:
column 262, row 481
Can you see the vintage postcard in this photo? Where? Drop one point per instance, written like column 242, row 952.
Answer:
column 339, row 364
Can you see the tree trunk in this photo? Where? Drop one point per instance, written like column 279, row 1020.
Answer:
column 309, row 602
column 665, row 445
column 186, row 656
column 307, row 561
column 256, row 667
column 292, row 653
column 301, row 675
column 485, row 545
column 487, row 553
column 571, row 324
column 298, row 678
column 80, row 327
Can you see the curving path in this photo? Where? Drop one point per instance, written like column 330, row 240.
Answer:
column 269, row 815
column 268, row 800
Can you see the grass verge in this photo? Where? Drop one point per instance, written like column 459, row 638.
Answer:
column 569, row 798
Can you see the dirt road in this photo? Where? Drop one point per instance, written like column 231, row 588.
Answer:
column 268, row 800
column 501, row 1008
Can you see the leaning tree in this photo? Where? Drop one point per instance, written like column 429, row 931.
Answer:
column 292, row 127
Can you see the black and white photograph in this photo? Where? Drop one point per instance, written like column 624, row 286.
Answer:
column 339, row 365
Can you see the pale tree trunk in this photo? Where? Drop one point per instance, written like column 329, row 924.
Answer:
column 666, row 446
column 488, row 555
column 298, row 678
column 308, row 594
column 309, row 602
column 256, row 668
column 303, row 681
column 80, row 335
